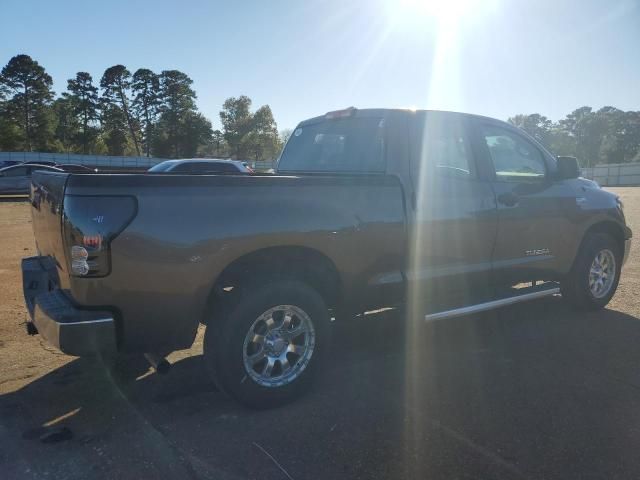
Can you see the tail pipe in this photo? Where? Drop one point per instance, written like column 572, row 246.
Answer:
column 160, row 364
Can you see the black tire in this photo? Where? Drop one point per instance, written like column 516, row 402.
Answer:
column 224, row 342
column 575, row 287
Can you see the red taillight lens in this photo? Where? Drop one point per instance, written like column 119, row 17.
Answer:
column 92, row 241
column 89, row 226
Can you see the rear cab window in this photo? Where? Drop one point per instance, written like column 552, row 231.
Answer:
column 350, row 144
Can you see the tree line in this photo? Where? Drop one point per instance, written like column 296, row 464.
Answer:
column 155, row 114
column 603, row 136
column 139, row 113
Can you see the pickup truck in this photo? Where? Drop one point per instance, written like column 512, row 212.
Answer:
column 445, row 213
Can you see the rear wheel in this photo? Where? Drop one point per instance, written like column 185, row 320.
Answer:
column 593, row 280
column 264, row 349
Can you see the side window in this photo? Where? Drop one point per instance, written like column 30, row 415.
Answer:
column 16, row 172
column 30, row 170
column 514, row 157
column 200, row 167
column 213, row 168
column 444, row 150
column 447, row 150
column 183, row 168
column 223, row 168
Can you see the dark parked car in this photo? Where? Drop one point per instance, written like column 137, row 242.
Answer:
column 40, row 162
column 16, row 179
column 8, row 163
column 74, row 168
column 200, row 166
column 445, row 213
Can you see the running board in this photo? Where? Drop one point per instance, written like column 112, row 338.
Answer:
column 490, row 305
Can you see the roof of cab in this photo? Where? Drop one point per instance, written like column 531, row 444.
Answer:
column 366, row 112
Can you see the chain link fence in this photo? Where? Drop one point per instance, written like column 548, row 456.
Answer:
column 614, row 175
column 102, row 162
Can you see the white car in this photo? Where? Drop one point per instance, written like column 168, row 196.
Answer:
column 203, row 166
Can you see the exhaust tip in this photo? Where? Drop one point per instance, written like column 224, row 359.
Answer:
column 160, row 364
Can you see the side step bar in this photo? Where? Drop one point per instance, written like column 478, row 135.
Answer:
column 490, row 305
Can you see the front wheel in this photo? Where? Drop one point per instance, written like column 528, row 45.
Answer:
column 264, row 349
column 593, row 280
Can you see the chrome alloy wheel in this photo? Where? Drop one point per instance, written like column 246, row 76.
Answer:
column 278, row 346
column 602, row 273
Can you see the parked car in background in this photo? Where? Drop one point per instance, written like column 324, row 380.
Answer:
column 40, row 162
column 74, row 168
column 16, row 179
column 9, row 163
column 203, row 166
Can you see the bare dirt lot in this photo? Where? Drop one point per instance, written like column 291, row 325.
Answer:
column 533, row 391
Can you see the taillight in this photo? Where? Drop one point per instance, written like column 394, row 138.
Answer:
column 89, row 226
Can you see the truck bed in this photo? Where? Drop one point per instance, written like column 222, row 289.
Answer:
column 188, row 229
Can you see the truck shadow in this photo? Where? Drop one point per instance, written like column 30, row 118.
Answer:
column 487, row 386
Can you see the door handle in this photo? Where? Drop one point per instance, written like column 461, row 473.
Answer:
column 508, row 199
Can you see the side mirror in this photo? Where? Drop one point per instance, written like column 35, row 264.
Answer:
column 568, row 168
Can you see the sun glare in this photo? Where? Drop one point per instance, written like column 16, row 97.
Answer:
column 448, row 24
column 420, row 10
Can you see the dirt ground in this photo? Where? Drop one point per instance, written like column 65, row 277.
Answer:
column 26, row 357
column 178, row 426
column 22, row 358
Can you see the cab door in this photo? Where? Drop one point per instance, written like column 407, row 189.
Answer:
column 533, row 208
column 454, row 211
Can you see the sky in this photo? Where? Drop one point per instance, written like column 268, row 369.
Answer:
column 304, row 58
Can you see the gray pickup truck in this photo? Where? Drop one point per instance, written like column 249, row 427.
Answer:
column 450, row 213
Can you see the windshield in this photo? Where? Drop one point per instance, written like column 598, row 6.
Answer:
column 340, row 145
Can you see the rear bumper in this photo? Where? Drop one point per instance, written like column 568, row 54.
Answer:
column 72, row 330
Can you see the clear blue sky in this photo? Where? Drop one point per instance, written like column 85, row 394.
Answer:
column 493, row 57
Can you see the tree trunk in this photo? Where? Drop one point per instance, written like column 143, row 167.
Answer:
column 126, row 114
column 27, row 127
column 84, row 134
column 148, row 132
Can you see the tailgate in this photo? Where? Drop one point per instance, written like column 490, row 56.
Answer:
column 47, row 193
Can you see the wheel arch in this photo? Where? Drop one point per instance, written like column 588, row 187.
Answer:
column 609, row 227
column 274, row 263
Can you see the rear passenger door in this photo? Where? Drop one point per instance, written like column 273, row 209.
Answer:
column 532, row 207
column 455, row 218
